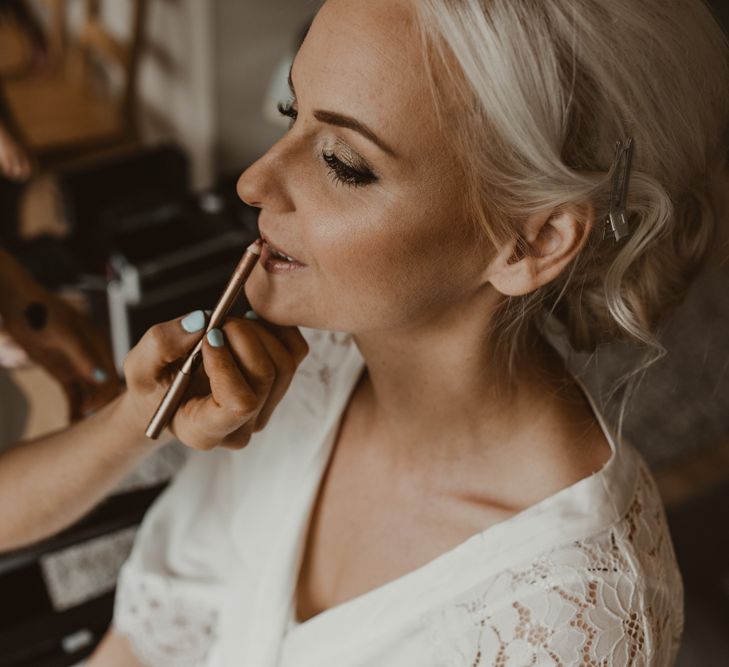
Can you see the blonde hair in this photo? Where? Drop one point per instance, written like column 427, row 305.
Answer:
column 544, row 89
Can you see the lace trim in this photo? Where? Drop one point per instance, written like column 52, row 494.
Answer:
column 166, row 626
column 613, row 600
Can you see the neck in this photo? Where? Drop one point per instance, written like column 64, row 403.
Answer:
column 436, row 394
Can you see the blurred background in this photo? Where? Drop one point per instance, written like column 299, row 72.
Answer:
column 137, row 116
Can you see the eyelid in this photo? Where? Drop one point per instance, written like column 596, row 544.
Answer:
column 354, row 159
column 344, row 173
column 353, row 163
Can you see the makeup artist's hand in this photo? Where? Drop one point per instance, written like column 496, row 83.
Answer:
column 247, row 368
column 58, row 337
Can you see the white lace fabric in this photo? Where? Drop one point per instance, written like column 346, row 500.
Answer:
column 614, row 599
column 166, row 626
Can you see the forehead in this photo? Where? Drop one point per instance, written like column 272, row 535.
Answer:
column 364, row 59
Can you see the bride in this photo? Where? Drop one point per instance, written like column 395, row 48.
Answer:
column 434, row 487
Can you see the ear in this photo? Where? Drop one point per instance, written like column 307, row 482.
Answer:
column 549, row 242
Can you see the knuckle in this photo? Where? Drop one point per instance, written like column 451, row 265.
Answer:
column 189, row 434
column 301, row 350
column 237, row 328
column 288, row 367
column 303, row 345
column 155, row 337
column 267, row 375
column 238, row 440
column 237, row 444
column 260, row 424
column 259, row 371
column 208, row 444
column 128, row 366
column 242, row 406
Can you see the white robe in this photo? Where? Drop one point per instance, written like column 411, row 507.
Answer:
column 587, row 574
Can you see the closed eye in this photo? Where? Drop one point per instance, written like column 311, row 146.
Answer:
column 341, row 171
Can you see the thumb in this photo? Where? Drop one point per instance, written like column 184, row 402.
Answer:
column 162, row 345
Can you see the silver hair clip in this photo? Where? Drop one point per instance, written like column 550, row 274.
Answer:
column 616, row 224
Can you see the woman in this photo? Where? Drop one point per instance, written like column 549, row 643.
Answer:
column 435, row 488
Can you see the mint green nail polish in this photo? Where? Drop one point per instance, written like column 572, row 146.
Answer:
column 252, row 315
column 99, row 375
column 194, row 322
column 215, row 338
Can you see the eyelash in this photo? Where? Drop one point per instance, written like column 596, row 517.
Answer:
column 340, row 171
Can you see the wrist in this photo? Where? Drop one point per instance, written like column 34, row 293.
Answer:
column 125, row 419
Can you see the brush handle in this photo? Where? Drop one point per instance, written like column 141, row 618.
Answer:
column 176, row 391
column 169, row 405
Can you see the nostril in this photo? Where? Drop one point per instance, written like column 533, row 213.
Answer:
column 246, row 192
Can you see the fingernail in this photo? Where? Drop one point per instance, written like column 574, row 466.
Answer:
column 99, row 375
column 215, row 338
column 194, row 322
column 252, row 315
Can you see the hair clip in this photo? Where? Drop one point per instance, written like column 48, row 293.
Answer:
column 616, row 224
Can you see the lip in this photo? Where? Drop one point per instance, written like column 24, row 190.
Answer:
column 271, row 246
column 272, row 264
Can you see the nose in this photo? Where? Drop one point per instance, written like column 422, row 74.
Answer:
column 262, row 184
column 248, row 186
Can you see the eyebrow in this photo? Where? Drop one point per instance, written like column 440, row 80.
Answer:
column 340, row 120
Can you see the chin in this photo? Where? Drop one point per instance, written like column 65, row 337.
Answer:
column 274, row 315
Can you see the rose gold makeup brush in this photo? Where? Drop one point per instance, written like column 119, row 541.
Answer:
column 171, row 401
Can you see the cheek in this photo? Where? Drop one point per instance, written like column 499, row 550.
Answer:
column 378, row 240
column 389, row 263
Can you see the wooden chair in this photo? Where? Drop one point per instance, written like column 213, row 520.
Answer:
column 86, row 104
column 15, row 52
column 18, row 23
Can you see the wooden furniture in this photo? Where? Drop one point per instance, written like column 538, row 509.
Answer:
column 21, row 38
column 15, row 52
column 85, row 103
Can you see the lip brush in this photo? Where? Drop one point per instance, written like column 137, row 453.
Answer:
column 171, row 401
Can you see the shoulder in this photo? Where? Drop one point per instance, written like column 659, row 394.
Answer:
column 612, row 598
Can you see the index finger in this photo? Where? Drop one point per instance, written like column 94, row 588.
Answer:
column 202, row 422
column 289, row 336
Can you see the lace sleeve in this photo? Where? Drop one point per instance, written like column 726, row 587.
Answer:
column 166, row 626
column 580, row 622
column 613, row 600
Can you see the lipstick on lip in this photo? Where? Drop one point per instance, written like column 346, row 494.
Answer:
column 276, row 254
